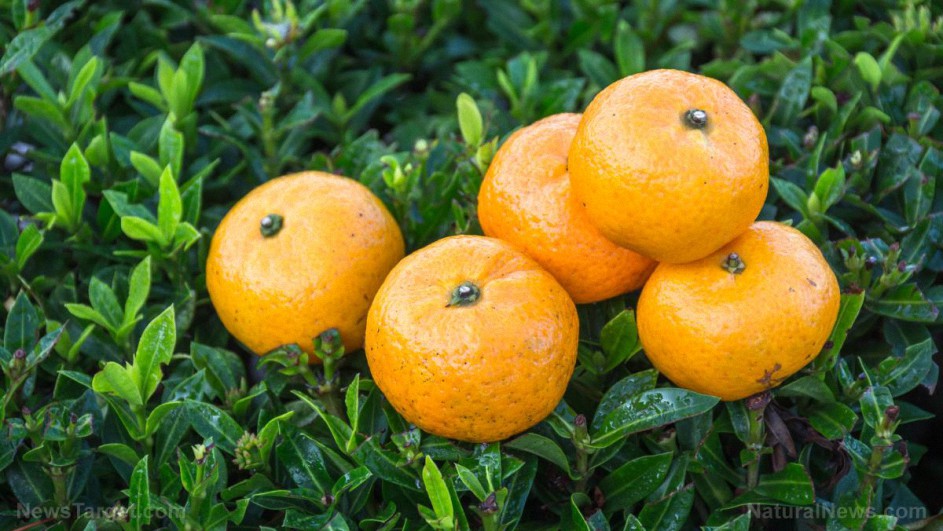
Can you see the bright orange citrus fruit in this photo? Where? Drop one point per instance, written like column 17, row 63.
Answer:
column 299, row 255
column 525, row 200
column 742, row 319
column 470, row 339
column 670, row 164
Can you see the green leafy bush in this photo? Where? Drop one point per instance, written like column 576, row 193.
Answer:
column 129, row 131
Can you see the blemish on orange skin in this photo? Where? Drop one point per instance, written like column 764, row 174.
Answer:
column 713, row 332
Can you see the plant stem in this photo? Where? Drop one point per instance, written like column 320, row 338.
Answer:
column 269, row 142
column 755, row 407
column 582, row 469
column 580, row 440
column 10, row 395
column 333, row 403
column 60, row 485
column 140, row 414
column 753, row 473
column 489, row 521
column 869, row 481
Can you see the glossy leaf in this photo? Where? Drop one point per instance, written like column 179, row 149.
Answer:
column 619, row 339
column 648, row 410
column 213, row 423
column 140, row 496
column 906, row 303
column 634, row 480
column 622, row 391
column 542, row 447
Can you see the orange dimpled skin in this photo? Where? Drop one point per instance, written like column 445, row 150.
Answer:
column 525, row 200
column 742, row 319
column 670, row 164
column 319, row 270
column 470, row 339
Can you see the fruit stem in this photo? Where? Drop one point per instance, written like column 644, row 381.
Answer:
column 734, row 264
column 270, row 225
column 465, row 294
column 695, row 118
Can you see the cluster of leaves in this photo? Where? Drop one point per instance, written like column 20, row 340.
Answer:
column 128, row 132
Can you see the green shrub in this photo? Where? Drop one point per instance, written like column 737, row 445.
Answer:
column 129, row 131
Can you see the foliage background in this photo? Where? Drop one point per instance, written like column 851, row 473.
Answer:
column 128, row 131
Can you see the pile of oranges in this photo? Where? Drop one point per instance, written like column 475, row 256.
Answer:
column 657, row 185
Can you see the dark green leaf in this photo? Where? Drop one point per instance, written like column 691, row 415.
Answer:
column 739, row 523
column 908, row 371
column 376, row 90
column 792, row 195
column 213, row 423
column 619, row 339
column 790, row 486
column 793, row 92
column 304, row 462
column 635, row 480
column 898, row 160
column 621, row 391
column 542, row 447
column 648, row 410
column 597, row 68
column 224, row 369
column 383, row 464
column 807, row 386
column 34, row 194
column 25, row 44
column 834, row 420
column 906, row 303
column 669, row 513
column 848, row 311
column 519, row 486
column 572, row 517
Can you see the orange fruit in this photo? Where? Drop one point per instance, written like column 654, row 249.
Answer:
column 470, row 339
column 670, row 164
column 299, row 255
column 525, row 200
column 742, row 319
